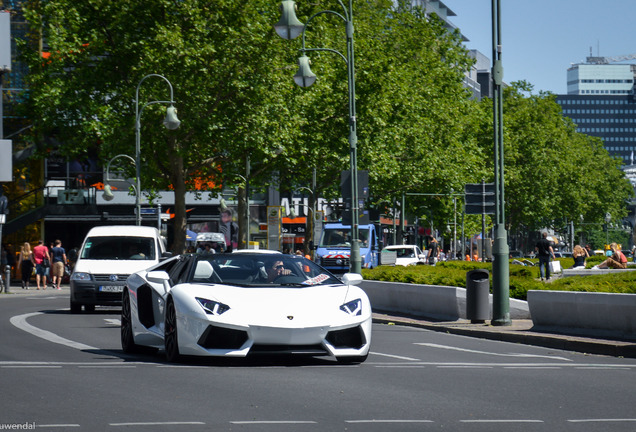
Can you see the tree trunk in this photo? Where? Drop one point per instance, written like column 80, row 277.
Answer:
column 242, row 208
column 179, row 221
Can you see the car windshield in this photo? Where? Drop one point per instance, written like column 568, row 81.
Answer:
column 119, row 248
column 404, row 252
column 260, row 269
column 341, row 237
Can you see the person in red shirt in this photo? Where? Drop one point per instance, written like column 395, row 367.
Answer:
column 40, row 253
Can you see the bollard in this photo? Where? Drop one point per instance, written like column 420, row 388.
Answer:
column 7, row 279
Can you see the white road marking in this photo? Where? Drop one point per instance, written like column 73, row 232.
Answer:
column 389, row 421
column 502, row 421
column 113, row 321
column 394, row 356
column 601, row 420
column 156, row 424
column 489, row 353
column 543, row 365
column 274, row 422
column 20, row 321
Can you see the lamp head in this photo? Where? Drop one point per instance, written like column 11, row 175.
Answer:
column 171, row 121
column 108, row 194
column 288, row 27
column 304, row 77
column 292, row 214
column 223, row 204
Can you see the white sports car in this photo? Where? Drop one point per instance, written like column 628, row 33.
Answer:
column 246, row 302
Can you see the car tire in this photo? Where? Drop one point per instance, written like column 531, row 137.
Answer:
column 89, row 308
column 352, row 359
column 171, row 341
column 76, row 307
column 128, row 344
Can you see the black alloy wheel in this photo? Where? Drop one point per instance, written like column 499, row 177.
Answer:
column 170, row 333
column 127, row 341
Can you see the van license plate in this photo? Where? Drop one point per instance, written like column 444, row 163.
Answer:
column 111, row 288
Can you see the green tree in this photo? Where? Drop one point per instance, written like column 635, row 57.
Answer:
column 416, row 125
column 553, row 173
column 219, row 56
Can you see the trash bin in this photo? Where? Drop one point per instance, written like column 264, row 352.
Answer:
column 477, row 295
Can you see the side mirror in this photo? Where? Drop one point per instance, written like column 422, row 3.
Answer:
column 159, row 277
column 351, row 278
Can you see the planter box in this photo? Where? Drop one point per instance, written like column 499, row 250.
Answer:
column 429, row 301
column 580, row 310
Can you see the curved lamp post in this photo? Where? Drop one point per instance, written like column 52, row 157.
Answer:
column 108, row 194
column 289, row 27
column 170, row 122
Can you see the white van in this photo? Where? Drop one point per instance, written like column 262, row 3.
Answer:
column 108, row 256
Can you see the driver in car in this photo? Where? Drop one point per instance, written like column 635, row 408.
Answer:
column 275, row 270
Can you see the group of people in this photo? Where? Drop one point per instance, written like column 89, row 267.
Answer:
column 46, row 262
column 616, row 259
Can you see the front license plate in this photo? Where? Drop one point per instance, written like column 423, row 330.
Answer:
column 111, row 288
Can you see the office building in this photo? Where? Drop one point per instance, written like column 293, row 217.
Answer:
column 600, row 101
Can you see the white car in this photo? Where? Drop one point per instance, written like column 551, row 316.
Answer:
column 407, row 255
column 243, row 303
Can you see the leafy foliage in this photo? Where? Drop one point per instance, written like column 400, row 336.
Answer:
column 522, row 278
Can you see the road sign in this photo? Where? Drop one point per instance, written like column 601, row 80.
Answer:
column 479, row 198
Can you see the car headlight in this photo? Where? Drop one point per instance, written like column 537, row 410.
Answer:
column 212, row 307
column 354, row 307
column 79, row 276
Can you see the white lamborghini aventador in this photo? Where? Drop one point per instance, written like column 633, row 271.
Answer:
column 243, row 303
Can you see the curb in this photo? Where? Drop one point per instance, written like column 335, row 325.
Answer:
column 523, row 334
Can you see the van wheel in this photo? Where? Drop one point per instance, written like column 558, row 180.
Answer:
column 76, row 307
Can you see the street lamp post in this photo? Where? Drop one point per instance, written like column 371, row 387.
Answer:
column 289, row 27
column 500, row 264
column 108, row 194
column 171, row 122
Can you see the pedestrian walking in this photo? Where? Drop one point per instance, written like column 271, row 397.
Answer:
column 25, row 264
column 42, row 263
column 544, row 251
column 433, row 251
column 58, row 262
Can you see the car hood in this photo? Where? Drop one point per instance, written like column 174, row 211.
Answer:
column 111, row 266
column 310, row 305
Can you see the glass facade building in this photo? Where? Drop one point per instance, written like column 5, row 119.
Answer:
column 612, row 118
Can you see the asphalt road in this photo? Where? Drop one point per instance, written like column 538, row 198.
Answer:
column 64, row 372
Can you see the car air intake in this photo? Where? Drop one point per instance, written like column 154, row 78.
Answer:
column 222, row 338
column 347, row 338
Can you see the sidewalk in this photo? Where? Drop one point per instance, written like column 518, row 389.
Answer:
column 524, row 332
column 16, row 290
column 520, row 331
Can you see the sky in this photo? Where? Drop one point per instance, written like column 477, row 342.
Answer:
column 542, row 38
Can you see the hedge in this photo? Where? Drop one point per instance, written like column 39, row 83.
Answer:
column 522, row 278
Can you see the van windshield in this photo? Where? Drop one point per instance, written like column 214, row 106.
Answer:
column 119, row 248
column 341, row 237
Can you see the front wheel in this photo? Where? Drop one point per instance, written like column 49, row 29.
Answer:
column 171, row 335
column 128, row 344
column 76, row 307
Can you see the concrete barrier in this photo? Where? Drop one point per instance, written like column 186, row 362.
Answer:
column 582, row 310
column 429, row 301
